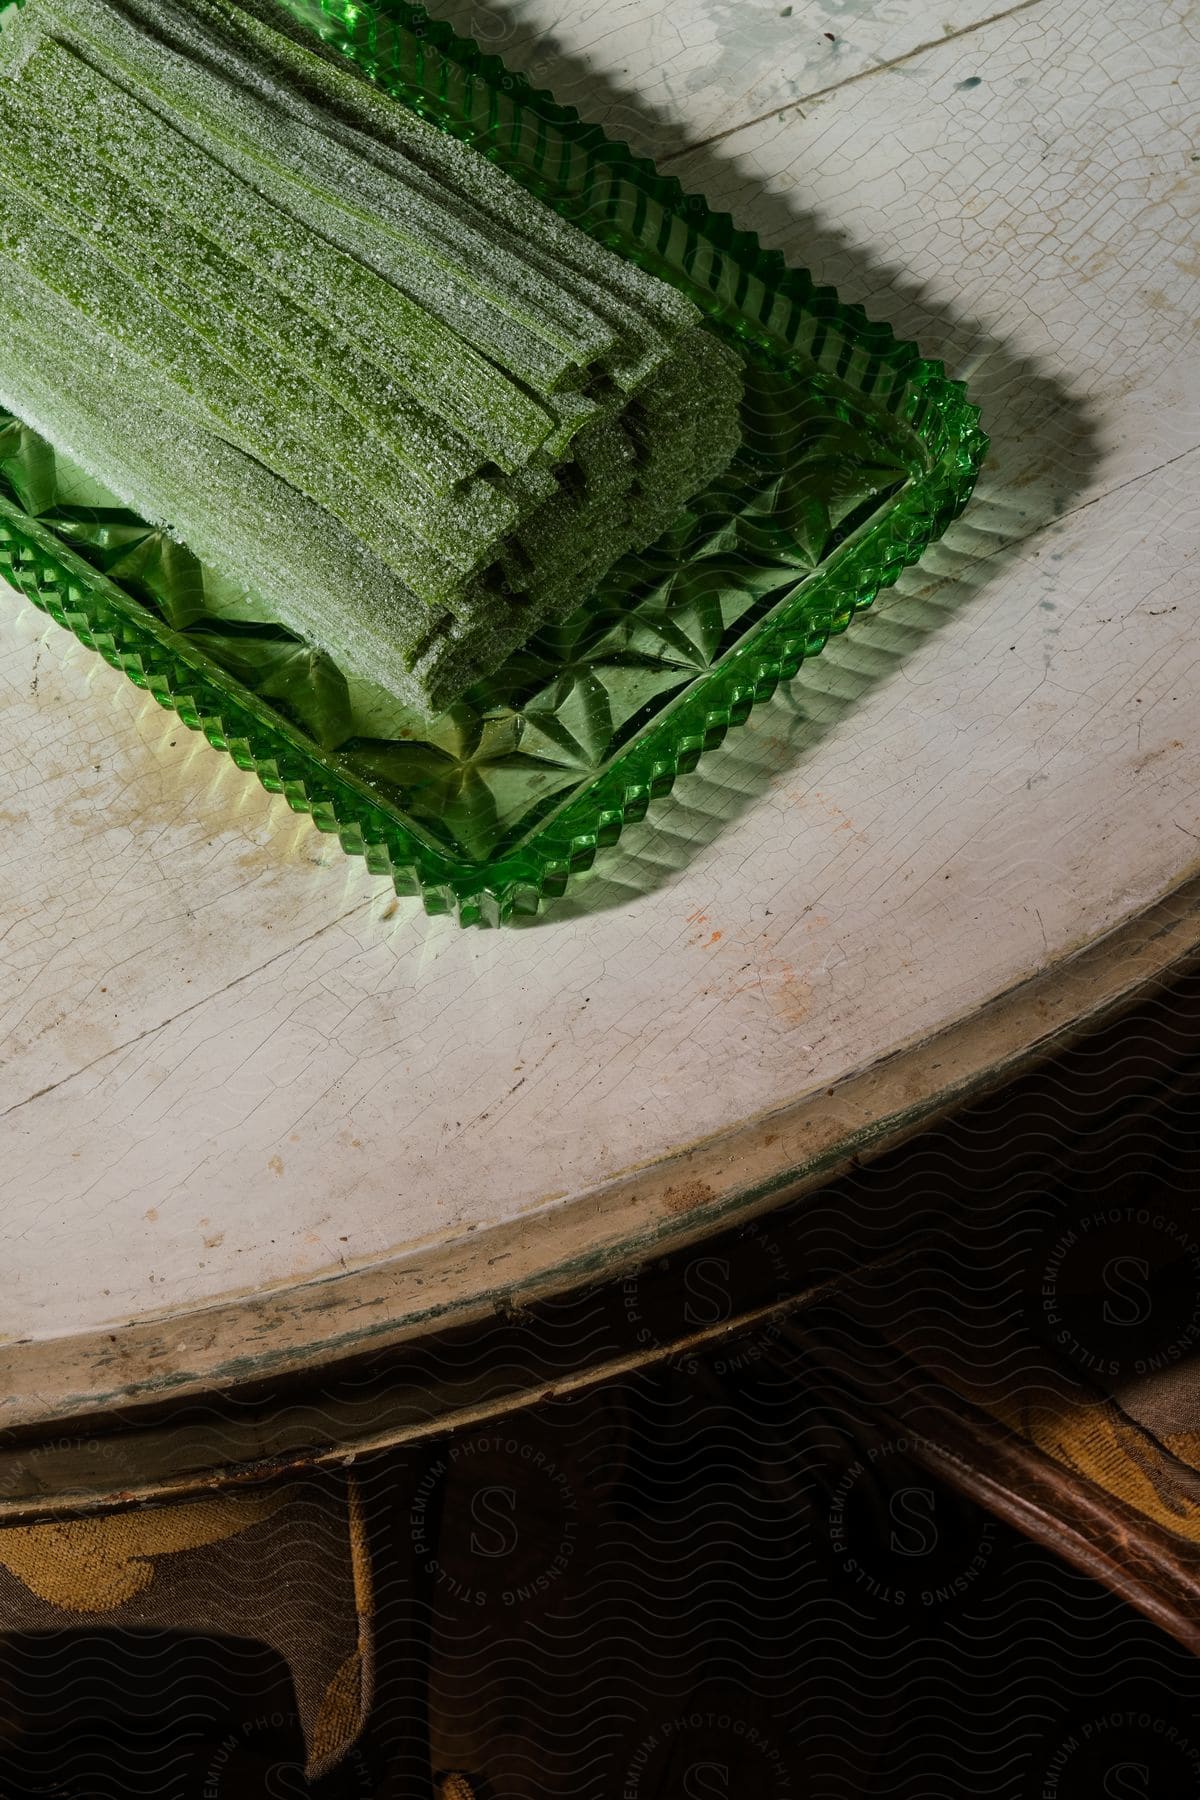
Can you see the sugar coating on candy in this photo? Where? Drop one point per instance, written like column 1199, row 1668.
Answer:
column 364, row 374
column 192, row 276
column 265, row 421
column 327, row 76
column 598, row 283
column 228, row 507
column 417, row 350
column 379, row 221
column 245, row 45
column 475, row 512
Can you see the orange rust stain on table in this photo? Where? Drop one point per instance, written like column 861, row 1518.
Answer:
column 687, row 1196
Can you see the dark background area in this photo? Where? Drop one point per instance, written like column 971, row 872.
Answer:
column 724, row 1575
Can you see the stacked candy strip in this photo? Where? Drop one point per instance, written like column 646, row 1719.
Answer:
column 355, row 366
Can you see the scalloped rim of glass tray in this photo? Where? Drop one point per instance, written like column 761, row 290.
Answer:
column 103, row 617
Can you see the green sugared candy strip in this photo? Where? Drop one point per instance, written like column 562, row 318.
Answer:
column 229, row 508
column 194, row 378
column 237, row 515
column 468, row 522
column 111, row 45
column 417, row 350
column 299, row 265
column 266, row 29
column 298, row 77
column 243, row 519
column 594, row 280
column 598, row 490
column 328, row 318
column 95, row 18
column 454, row 270
column 211, row 292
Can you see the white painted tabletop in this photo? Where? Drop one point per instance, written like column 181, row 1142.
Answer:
column 231, row 1062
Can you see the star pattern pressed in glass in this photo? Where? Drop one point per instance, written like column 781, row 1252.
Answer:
column 487, row 773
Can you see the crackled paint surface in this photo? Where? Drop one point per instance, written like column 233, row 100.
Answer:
column 664, row 77
column 230, row 1059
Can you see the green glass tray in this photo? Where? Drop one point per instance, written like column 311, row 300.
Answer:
column 857, row 454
